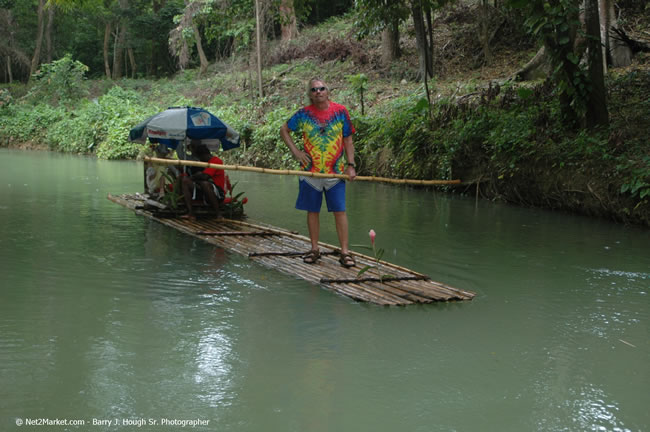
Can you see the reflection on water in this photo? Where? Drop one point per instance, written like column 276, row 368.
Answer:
column 105, row 314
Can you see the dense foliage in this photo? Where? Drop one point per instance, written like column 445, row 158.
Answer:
column 60, row 82
column 138, row 38
column 507, row 141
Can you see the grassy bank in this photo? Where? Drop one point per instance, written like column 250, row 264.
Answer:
column 504, row 141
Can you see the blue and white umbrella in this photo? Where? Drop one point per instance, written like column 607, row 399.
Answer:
column 175, row 124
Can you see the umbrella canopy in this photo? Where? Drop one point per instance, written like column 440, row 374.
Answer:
column 177, row 123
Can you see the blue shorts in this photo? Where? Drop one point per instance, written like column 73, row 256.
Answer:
column 310, row 194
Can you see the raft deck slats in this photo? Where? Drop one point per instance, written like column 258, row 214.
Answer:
column 282, row 250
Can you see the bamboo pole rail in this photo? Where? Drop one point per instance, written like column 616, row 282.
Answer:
column 373, row 279
column 236, row 233
column 286, row 254
column 177, row 162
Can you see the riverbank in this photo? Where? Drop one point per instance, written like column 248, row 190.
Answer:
column 505, row 141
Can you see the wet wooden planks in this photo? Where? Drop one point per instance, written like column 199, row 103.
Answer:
column 282, row 250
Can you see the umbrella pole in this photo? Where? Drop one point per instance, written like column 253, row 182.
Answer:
column 298, row 173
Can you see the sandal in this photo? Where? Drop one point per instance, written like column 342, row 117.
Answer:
column 311, row 257
column 347, row 260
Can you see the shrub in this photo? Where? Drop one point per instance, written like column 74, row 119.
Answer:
column 101, row 126
column 267, row 145
column 24, row 123
column 59, row 82
column 120, row 111
column 76, row 133
column 5, row 99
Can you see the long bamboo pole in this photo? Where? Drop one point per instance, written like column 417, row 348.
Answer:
column 298, row 173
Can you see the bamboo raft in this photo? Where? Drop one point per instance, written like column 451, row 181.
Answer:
column 282, row 250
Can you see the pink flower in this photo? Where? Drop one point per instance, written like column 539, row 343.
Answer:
column 372, row 235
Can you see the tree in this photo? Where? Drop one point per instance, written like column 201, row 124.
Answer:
column 383, row 16
column 557, row 23
column 88, row 29
column 390, row 49
column 618, row 48
column 288, row 20
column 152, row 21
column 49, row 48
column 422, row 13
column 36, row 58
column 596, row 112
column 230, row 25
column 10, row 53
column 258, row 47
column 419, row 8
column 106, row 45
column 581, row 89
column 187, row 32
column 103, row 11
column 121, row 34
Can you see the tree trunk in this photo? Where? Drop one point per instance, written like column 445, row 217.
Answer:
column 485, row 32
column 288, row 22
column 541, row 65
column 199, row 48
column 425, row 69
column 10, row 30
column 49, row 49
column 603, row 15
column 567, row 69
column 597, row 100
column 132, row 61
column 119, row 53
column 155, row 53
column 538, row 67
column 10, row 75
column 258, row 37
column 39, row 38
column 390, row 50
column 428, row 13
column 118, row 63
column 619, row 54
column 107, row 36
column 13, row 53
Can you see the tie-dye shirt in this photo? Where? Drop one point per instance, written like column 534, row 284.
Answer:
column 323, row 133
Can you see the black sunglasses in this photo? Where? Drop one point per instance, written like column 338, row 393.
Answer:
column 315, row 89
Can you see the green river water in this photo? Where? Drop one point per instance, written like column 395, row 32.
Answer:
column 107, row 316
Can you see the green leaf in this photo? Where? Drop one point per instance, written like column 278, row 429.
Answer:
column 573, row 58
column 422, row 105
column 524, row 93
column 541, row 24
column 363, row 270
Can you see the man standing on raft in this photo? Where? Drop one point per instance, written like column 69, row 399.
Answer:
column 327, row 135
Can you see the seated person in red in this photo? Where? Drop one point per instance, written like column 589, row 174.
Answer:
column 211, row 182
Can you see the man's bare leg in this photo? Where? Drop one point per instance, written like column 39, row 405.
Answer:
column 341, row 220
column 208, row 192
column 187, row 196
column 313, row 224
